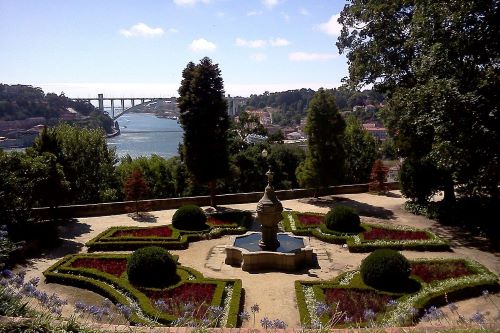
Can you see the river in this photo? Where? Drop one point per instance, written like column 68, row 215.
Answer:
column 145, row 134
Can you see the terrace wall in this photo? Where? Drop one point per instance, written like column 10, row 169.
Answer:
column 114, row 208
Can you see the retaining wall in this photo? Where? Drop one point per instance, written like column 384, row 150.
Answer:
column 114, row 208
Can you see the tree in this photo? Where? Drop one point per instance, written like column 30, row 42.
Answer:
column 438, row 62
column 378, row 178
column 361, row 152
column 135, row 188
column 324, row 163
column 203, row 116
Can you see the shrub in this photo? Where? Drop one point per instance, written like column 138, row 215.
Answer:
column 190, row 217
column 342, row 218
column 378, row 178
column 152, row 267
column 419, row 180
column 385, row 269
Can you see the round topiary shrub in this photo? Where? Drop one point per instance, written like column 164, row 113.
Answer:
column 152, row 267
column 342, row 218
column 190, row 217
column 385, row 269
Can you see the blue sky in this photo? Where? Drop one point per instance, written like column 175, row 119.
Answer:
column 139, row 48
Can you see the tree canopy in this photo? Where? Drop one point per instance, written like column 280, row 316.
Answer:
column 204, row 118
column 438, row 61
column 324, row 163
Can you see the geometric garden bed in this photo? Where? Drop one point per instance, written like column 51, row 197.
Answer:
column 347, row 302
column 369, row 238
column 168, row 237
column 217, row 300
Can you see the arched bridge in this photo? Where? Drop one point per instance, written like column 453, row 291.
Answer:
column 121, row 108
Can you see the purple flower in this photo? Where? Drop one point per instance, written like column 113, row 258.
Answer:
column 486, row 293
column 368, row 314
column 244, row 316
column 7, row 273
column 125, row 310
column 215, row 311
column 392, row 302
column 255, row 308
column 321, row 309
column 478, row 318
column 34, row 281
column 453, row 307
column 80, row 306
column 279, row 324
column 266, row 323
column 161, row 305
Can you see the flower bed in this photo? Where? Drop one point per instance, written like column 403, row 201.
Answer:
column 162, row 231
column 166, row 236
column 436, row 271
column 103, row 273
column 113, row 266
column 371, row 238
column 347, row 301
column 392, row 234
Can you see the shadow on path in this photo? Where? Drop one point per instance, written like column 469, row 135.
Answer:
column 143, row 217
column 362, row 208
column 73, row 228
column 459, row 237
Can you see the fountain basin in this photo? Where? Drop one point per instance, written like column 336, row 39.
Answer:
column 292, row 254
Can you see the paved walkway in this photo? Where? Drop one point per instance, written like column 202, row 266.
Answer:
column 274, row 291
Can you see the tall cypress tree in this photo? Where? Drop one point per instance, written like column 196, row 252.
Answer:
column 204, row 118
column 324, row 164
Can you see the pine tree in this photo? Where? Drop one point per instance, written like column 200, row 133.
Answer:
column 204, row 118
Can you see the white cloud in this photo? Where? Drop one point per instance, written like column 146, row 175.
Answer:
column 220, row 14
column 304, row 12
column 201, row 45
column 279, row 42
column 188, row 3
column 172, row 31
column 254, row 13
column 332, row 27
column 258, row 57
column 141, row 30
column 286, row 17
column 304, row 56
column 270, row 3
column 254, row 44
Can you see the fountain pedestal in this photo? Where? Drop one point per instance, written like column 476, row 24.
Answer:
column 269, row 211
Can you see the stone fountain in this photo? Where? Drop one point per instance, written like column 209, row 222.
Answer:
column 269, row 249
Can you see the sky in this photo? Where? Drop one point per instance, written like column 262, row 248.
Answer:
column 130, row 48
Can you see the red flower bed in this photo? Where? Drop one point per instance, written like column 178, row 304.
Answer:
column 198, row 294
column 215, row 221
column 163, row 231
column 310, row 220
column 387, row 234
column 354, row 302
column 111, row 266
column 434, row 271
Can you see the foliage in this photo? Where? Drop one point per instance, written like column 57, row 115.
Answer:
column 419, row 180
column 324, row 164
column 152, row 267
column 203, row 116
column 343, row 219
column 292, row 104
column 438, row 63
column 86, row 160
column 189, row 217
column 361, row 152
column 135, row 188
column 248, row 124
column 384, row 269
column 378, row 177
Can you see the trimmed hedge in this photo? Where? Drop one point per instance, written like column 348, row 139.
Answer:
column 120, row 289
column 385, row 269
column 356, row 242
column 433, row 293
column 180, row 239
column 343, row 219
column 190, row 218
column 152, row 267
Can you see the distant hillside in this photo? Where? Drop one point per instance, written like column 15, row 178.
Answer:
column 19, row 102
column 293, row 103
